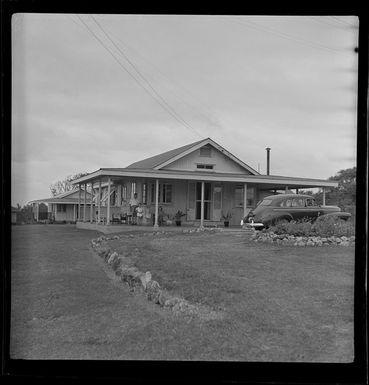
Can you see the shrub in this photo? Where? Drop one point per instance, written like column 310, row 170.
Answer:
column 324, row 226
column 327, row 226
column 298, row 228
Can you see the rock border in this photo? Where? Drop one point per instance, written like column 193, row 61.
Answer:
column 142, row 282
column 292, row 240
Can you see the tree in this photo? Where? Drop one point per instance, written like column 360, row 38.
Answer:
column 346, row 182
column 65, row 185
column 26, row 214
column 344, row 195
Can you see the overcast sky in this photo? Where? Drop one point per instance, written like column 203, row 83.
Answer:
column 92, row 91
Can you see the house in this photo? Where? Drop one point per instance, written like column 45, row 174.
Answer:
column 60, row 208
column 16, row 215
column 202, row 179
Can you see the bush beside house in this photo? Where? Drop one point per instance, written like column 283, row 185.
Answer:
column 327, row 230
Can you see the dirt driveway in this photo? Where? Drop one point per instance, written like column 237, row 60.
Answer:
column 64, row 306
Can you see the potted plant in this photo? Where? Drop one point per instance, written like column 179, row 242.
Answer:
column 177, row 216
column 226, row 218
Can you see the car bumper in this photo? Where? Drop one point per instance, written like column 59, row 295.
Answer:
column 254, row 225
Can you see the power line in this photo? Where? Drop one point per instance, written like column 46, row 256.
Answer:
column 342, row 21
column 324, row 20
column 173, row 114
column 332, row 21
column 165, row 77
column 141, row 75
column 288, row 37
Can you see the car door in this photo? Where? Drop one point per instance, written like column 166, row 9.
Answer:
column 312, row 209
column 297, row 208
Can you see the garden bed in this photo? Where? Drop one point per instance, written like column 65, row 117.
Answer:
column 325, row 231
column 298, row 240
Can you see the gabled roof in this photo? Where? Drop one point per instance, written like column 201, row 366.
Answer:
column 159, row 161
column 154, row 161
column 61, row 198
column 67, row 193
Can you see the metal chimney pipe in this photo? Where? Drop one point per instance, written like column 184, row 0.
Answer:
column 268, row 160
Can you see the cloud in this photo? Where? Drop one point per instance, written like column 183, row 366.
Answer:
column 75, row 109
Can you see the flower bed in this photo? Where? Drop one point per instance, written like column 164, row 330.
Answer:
column 325, row 226
column 298, row 240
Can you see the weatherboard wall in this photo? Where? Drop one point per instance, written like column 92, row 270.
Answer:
column 221, row 163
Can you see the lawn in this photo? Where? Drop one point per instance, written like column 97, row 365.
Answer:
column 270, row 299
column 274, row 303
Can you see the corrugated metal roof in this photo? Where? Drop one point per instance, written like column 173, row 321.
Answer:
column 63, row 197
column 150, row 163
column 212, row 173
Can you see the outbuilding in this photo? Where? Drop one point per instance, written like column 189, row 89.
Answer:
column 62, row 207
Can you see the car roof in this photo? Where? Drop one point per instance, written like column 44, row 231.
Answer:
column 287, row 196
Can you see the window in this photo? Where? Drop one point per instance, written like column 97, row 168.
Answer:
column 124, row 193
column 152, row 193
column 265, row 202
column 288, row 203
column 113, row 197
column 310, row 202
column 238, row 196
column 133, row 189
column 205, row 151
column 165, row 193
column 250, row 196
column 205, row 166
column 61, row 208
column 144, row 193
column 300, row 202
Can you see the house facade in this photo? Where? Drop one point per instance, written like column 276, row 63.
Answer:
column 201, row 179
column 62, row 207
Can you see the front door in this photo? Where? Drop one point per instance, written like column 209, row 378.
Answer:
column 191, row 201
column 217, row 203
column 207, row 200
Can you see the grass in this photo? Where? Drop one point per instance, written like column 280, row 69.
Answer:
column 299, row 301
column 278, row 304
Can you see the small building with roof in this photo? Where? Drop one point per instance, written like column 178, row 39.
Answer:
column 62, row 207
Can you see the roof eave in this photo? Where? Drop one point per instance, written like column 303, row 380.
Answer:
column 291, row 182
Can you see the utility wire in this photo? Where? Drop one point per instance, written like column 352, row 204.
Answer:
column 141, row 75
column 165, row 77
column 329, row 20
column 173, row 114
column 288, row 37
column 342, row 21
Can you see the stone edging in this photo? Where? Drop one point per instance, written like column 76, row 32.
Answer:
column 286, row 239
column 141, row 282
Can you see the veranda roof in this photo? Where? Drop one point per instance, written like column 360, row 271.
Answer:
column 262, row 181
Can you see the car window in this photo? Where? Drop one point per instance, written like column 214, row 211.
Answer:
column 265, row 202
column 310, row 202
column 294, row 203
column 301, row 202
column 288, row 203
